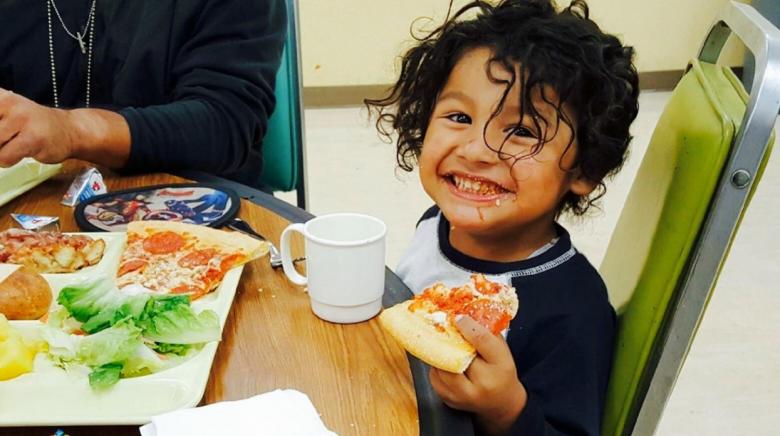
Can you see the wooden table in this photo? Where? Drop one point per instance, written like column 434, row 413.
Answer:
column 358, row 378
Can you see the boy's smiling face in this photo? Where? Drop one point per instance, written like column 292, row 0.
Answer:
column 500, row 209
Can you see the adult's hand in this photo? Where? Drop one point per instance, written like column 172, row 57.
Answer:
column 28, row 129
column 49, row 135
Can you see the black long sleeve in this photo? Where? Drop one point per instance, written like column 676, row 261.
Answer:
column 562, row 336
column 222, row 95
column 564, row 365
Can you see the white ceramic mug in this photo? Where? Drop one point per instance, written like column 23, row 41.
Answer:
column 345, row 265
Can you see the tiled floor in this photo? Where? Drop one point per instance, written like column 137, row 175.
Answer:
column 730, row 384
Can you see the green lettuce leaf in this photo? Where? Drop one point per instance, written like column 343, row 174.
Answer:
column 99, row 304
column 142, row 361
column 60, row 318
column 164, row 303
column 177, row 349
column 85, row 300
column 124, row 307
column 129, row 333
column 62, row 347
column 114, row 344
column 105, row 376
column 180, row 325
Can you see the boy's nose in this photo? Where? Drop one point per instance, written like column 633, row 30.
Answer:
column 478, row 149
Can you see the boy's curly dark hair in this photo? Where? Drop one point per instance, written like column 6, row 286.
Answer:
column 591, row 72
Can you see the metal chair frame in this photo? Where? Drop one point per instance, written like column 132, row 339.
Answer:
column 728, row 204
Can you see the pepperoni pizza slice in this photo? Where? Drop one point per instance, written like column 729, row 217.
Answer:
column 425, row 325
column 178, row 258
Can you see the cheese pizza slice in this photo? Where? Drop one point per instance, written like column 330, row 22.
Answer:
column 178, row 258
column 425, row 325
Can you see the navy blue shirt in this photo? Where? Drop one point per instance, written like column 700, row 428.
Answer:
column 194, row 79
column 562, row 337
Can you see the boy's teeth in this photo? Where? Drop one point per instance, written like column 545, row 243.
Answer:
column 476, row 186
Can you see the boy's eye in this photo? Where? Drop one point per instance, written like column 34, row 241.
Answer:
column 459, row 118
column 522, row 132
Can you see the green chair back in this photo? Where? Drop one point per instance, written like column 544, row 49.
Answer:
column 661, row 220
column 283, row 164
column 702, row 165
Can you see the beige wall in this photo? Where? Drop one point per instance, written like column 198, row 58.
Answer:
column 357, row 42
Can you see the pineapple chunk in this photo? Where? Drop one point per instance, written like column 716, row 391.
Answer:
column 16, row 356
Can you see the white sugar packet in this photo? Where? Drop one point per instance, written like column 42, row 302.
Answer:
column 281, row 412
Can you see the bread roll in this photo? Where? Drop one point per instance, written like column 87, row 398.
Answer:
column 24, row 295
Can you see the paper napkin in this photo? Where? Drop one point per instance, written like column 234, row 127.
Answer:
column 281, row 412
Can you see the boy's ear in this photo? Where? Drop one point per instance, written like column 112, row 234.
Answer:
column 581, row 185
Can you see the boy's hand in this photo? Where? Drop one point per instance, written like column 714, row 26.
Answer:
column 489, row 388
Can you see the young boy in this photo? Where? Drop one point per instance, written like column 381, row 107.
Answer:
column 514, row 117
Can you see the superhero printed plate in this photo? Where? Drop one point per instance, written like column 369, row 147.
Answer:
column 193, row 203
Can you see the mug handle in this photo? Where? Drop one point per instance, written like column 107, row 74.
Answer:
column 287, row 263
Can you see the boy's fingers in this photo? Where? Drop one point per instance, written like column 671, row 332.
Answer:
column 454, row 389
column 450, row 378
column 488, row 345
column 478, row 369
column 442, row 388
column 437, row 384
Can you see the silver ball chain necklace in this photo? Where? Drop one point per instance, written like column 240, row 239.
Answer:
column 89, row 28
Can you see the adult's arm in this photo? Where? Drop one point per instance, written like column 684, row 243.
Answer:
column 223, row 77
column 222, row 97
column 28, row 129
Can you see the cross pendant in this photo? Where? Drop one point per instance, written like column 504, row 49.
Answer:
column 80, row 39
